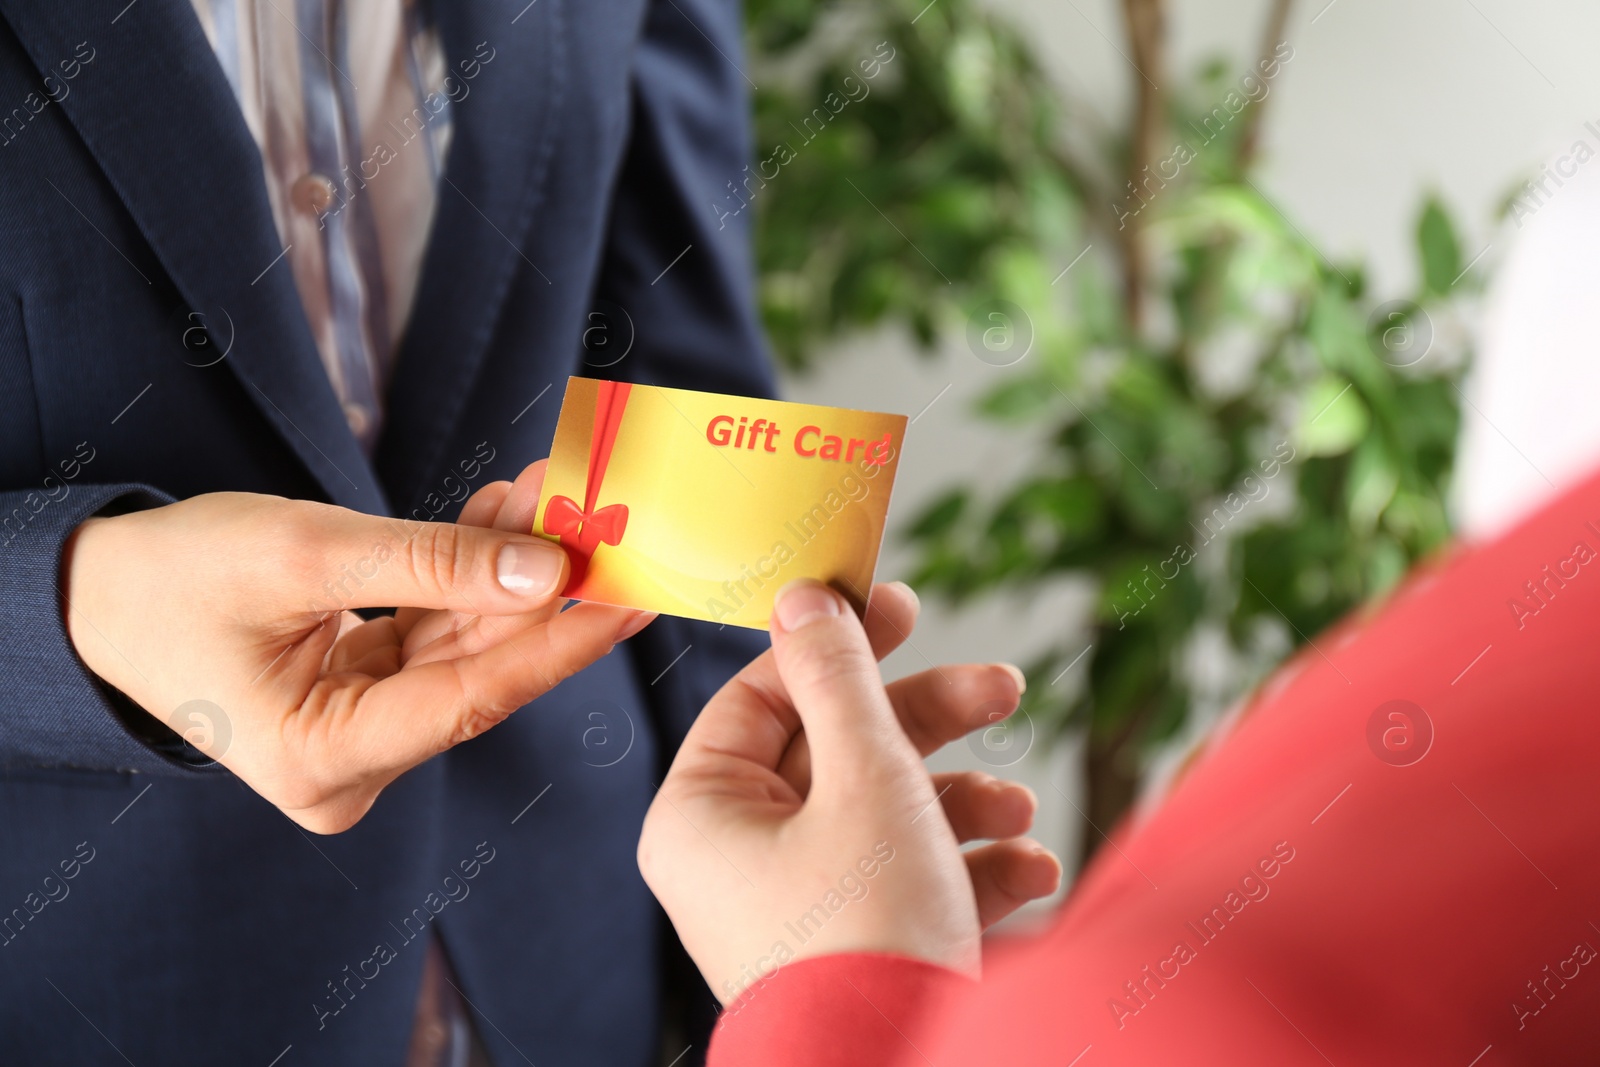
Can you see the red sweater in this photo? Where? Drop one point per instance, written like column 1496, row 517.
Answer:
column 1310, row 891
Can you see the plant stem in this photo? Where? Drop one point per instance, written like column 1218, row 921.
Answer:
column 1146, row 23
column 1271, row 36
column 1111, row 782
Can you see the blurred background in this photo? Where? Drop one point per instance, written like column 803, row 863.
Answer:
column 1183, row 298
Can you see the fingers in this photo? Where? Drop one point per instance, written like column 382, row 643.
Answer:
column 981, row 807
column 830, row 675
column 481, row 508
column 430, row 707
column 945, row 704
column 892, row 610
column 934, row 707
column 506, row 506
column 382, row 562
column 479, row 634
column 372, row 647
column 753, row 716
column 1008, row 874
column 520, row 507
column 891, row 616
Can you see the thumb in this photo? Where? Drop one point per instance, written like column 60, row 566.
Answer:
column 831, row 675
column 366, row 561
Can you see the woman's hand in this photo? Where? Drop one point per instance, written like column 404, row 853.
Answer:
column 230, row 614
column 798, row 819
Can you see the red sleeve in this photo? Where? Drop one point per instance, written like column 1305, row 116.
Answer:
column 1388, row 860
column 833, row 1011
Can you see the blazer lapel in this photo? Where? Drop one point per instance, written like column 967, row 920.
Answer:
column 493, row 176
column 159, row 117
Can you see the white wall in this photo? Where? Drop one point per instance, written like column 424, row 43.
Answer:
column 1381, row 102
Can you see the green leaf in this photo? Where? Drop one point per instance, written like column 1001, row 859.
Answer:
column 1336, row 331
column 1140, row 386
column 1373, row 480
column 1386, row 565
column 1334, row 418
column 1017, row 400
column 971, row 75
column 1072, row 506
column 939, row 517
column 1440, row 251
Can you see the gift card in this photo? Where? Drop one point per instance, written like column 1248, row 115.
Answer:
column 704, row 505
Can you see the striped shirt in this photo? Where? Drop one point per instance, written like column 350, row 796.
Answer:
column 350, row 105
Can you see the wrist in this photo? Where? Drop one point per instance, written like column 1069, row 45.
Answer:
column 77, row 587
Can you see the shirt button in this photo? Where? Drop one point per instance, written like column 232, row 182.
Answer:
column 359, row 418
column 312, row 194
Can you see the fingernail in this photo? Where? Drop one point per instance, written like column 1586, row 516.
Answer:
column 634, row 625
column 1016, row 673
column 530, row 570
column 804, row 601
column 1052, row 880
column 987, row 714
column 916, row 601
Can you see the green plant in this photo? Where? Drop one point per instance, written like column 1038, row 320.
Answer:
column 1188, row 352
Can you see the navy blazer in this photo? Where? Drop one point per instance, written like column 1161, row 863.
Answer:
column 152, row 346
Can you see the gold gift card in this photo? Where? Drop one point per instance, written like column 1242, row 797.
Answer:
column 703, row 505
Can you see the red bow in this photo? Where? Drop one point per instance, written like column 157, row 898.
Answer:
column 584, row 529
column 567, row 520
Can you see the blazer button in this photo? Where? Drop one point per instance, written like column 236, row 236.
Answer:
column 312, row 194
column 359, row 418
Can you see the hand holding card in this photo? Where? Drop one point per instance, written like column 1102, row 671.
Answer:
column 704, row 505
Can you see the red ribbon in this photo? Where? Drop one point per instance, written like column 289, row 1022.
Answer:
column 583, row 530
column 566, row 519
